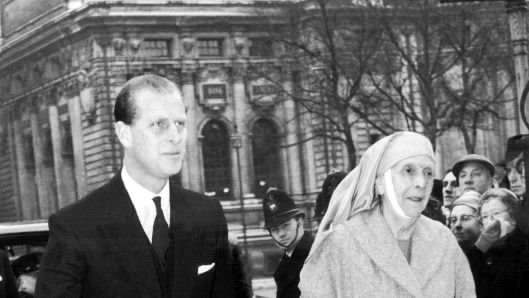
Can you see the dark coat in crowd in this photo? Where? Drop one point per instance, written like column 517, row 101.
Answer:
column 8, row 286
column 287, row 273
column 503, row 271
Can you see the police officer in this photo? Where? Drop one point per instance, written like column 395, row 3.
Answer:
column 284, row 222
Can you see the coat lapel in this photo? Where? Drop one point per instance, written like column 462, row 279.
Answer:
column 127, row 239
column 378, row 243
column 183, row 224
column 425, row 261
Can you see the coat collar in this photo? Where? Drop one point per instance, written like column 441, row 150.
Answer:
column 377, row 241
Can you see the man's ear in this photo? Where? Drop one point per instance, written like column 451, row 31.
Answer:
column 379, row 185
column 123, row 133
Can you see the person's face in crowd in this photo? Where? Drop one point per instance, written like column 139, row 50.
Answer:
column 155, row 141
column 450, row 190
column 314, row 227
column 465, row 224
column 495, row 209
column 474, row 176
column 285, row 233
column 412, row 182
column 516, row 175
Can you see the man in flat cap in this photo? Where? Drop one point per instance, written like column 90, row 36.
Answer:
column 474, row 172
column 284, row 222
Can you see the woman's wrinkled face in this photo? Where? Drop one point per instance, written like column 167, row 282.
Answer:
column 412, row 182
column 495, row 209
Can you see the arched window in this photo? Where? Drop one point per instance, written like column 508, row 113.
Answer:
column 217, row 161
column 266, row 159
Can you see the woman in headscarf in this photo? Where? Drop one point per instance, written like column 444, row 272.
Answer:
column 373, row 241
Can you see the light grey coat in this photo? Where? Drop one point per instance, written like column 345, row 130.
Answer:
column 361, row 258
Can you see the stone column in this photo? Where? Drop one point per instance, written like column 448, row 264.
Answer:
column 64, row 174
column 74, row 111
column 293, row 167
column 44, row 174
column 241, row 108
column 191, row 173
column 28, row 188
column 14, row 168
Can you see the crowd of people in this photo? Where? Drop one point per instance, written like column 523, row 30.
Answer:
column 389, row 229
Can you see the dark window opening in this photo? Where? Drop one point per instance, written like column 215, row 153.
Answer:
column 217, row 160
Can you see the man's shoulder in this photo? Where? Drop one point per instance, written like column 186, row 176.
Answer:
column 90, row 205
column 193, row 197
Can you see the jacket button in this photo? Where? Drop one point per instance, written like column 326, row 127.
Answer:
column 489, row 261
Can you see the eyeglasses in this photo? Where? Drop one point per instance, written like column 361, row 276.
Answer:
column 464, row 218
column 493, row 214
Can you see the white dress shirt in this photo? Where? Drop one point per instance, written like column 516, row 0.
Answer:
column 142, row 200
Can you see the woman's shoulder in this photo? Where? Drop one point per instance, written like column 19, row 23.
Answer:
column 434, row 229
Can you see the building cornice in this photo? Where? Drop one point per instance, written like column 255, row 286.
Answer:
column 105, row 17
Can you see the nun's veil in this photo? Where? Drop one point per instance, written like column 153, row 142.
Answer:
column 356, row 192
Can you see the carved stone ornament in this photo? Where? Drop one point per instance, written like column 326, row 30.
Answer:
column 118, row 44
column 88, row 103
column 134, row 44
column 240, row 43
column 188, row 43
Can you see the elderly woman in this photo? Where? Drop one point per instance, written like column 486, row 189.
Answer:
column 373, row 241
column 500, row 258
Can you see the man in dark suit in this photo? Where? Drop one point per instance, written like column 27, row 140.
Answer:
column 285, row 224
column 140, row 235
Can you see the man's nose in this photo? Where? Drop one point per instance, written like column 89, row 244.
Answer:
column 174, row 133
column 511, row 176
column 459, row 227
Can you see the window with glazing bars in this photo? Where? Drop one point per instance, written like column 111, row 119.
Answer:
column 260, row 47
column 156, row 47
column 217, row 161
column 210, row 47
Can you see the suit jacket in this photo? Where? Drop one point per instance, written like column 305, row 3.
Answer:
column 97, row 248
column 8, row 285
column 287, row 273
column 361, row 258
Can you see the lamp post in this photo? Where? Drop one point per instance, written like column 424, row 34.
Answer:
column 236, row 143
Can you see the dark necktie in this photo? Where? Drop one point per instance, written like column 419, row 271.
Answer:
column 160, row 232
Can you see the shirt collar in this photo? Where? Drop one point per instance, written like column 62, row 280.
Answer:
column 138, row 193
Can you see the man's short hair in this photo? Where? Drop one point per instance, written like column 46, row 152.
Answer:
column 125, row 109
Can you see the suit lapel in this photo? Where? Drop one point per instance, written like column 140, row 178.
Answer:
column 378, row 243
column 183, row 223
column 127, row 239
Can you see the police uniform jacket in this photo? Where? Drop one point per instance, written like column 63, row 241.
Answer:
column 287, row 274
